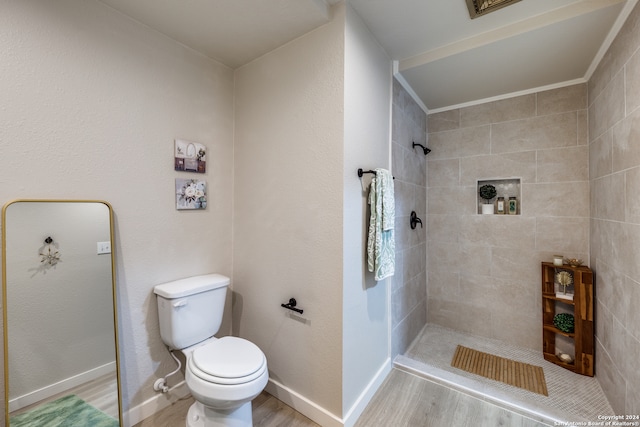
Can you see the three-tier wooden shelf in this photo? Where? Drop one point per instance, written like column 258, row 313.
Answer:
column 581, row 307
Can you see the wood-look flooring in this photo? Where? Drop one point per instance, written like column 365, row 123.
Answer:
column 403, row 400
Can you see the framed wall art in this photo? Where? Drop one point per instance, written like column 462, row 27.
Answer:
column 190, row 156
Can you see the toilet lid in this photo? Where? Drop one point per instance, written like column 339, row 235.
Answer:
column 228, row 357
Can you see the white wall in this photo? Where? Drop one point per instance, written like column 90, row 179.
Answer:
column 91, row 103
column 365, row 321
column 288, row 213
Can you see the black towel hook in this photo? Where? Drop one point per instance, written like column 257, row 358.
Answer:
column 414, row 220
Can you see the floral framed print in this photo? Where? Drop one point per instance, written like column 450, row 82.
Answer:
column 190, row 156
column 191, row 194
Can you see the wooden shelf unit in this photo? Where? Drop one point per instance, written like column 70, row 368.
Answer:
column 582, row 309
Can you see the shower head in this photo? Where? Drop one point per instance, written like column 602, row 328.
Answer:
column 425, row 149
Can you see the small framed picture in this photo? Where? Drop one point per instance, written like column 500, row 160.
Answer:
column 191, row 194
column 190, row 156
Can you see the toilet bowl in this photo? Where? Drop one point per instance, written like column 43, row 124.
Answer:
column 223, row 374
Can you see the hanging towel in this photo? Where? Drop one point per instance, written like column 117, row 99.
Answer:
column 381, row 244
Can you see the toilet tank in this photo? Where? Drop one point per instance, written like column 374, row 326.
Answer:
column 190, row 310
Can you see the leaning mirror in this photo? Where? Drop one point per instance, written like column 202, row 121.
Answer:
column 59, row 310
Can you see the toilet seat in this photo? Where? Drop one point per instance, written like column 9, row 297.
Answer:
column 227, row 361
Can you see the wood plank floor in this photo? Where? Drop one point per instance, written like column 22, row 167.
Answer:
column 404, row 400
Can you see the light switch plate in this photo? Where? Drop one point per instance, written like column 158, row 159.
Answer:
column 104, row 248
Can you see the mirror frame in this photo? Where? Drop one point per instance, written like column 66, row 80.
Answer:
column 4, row 297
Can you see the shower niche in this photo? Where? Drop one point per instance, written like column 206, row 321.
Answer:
column 506, row 199
column 579, row 341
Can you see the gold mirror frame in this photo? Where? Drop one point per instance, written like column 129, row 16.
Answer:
column 4, row 298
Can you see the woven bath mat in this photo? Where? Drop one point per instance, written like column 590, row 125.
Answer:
column 518, row 374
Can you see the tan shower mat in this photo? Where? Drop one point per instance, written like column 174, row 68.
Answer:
column 518, row 374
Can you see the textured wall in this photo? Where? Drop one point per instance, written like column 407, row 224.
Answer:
column 484, row 271
column 288, row 211
column 409, row 292
column 367, row 100
column 92, row 102
column 614, row 133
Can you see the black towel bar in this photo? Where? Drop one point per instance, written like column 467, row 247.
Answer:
column 362, row 172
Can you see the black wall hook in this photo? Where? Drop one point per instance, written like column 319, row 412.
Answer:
column 425, row 149
column 291, row 305
column 414, row 220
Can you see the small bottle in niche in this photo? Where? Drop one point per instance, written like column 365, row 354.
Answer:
column 513, row 205
column 500, row 205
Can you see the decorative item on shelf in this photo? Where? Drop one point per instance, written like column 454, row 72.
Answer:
column 487, row 192
column 558, row 260
column 564, row 279
column 566, row 358
column 573, row 262
column 564, row 322
column 513, row 205
column 500, row 205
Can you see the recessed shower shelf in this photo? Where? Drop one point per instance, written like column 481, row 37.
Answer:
column 505, row 188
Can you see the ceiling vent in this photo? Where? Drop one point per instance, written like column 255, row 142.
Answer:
column 482, row 7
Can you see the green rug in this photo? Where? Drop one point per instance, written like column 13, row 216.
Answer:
column 68, row 411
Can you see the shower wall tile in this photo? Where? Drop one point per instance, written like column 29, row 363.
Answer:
column 444, row 173
column 600, row 156
column 409, row 291
column 563, row 164
column 626, row 150
column 461, row 314
column 570, row 98
column 443, row 228
column 583, row 127
column 608, row 108
column 610, row 379
column 518, row 165
column 493, row 261
column 632, row 83
column 464, row 142
column 608, row 204
column 614, row 131
column 535, row 133
column 563, row 234
column 446, row 120
column 632, row 190
column 633, row 399
column 499, row 111
column 556, row 199
column 515, row 264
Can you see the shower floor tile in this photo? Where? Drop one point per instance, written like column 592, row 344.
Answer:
column 573, row 398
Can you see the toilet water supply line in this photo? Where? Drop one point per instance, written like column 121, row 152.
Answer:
column 161, row 383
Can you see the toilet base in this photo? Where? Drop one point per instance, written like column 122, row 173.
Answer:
column 202, row 416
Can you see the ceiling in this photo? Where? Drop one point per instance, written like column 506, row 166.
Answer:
column 445, row 58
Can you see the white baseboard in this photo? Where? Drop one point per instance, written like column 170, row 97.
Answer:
column 320, row 415
column 276, row 389
column 158, row 402
column 61, row 386
column 365, row 397
column 303, row 405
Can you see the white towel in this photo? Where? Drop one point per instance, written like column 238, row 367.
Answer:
column 381, row 244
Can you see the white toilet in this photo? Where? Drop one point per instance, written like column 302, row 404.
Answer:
column 224, row 375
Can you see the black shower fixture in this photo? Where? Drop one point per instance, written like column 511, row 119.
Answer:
column 425, row 149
